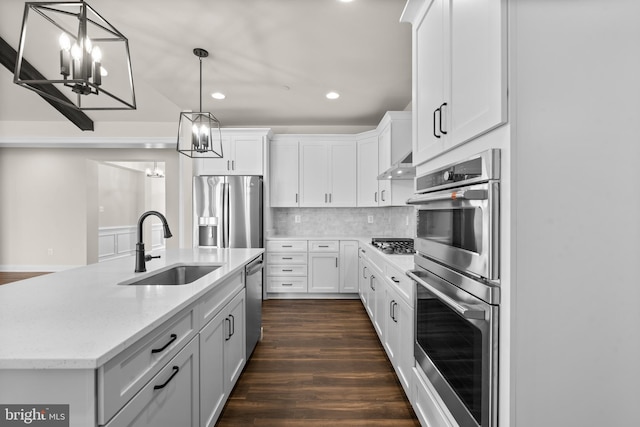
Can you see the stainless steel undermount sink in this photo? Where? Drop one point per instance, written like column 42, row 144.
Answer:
column 176, row 275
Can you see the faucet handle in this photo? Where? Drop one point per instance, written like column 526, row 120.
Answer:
column 149, row 257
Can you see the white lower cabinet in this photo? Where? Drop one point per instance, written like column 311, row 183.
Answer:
column 222, row 357
column 324, row 273
column 182, row 373
column 398, row 338
column 312, row 267
column 171, row 397
column 427, row 405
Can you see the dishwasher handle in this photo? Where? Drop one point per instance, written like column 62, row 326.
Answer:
column 254, row 266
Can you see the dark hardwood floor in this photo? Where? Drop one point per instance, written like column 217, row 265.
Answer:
column 8, row 277
column 320, row 363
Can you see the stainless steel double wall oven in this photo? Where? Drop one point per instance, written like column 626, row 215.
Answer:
column 457, row 270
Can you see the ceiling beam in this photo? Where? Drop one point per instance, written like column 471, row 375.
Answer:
column 8, row 57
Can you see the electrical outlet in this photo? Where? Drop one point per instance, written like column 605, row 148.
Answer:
column 50, row 251
column 370, row 219
column 407, row 222
column 297, row 219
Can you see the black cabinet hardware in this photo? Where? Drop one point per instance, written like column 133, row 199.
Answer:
column 158, row 350
column 175, row 371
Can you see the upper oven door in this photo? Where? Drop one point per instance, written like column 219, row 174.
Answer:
column 459, row 227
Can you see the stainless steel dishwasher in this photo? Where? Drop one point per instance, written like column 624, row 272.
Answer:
column 253, row 273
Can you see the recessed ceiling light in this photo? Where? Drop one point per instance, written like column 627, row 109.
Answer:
column 345, row 1
column 333, row 95
column 218, row 95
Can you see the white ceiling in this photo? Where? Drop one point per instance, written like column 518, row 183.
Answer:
column 274, row 59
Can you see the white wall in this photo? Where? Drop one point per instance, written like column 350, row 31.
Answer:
column 576, row 105
column 49, row 200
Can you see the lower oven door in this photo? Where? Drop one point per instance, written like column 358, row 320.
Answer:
column 459, row 227
column 456, row 346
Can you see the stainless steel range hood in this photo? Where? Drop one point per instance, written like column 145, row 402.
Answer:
column 403, row 169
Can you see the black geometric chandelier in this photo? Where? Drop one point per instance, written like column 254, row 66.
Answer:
column 196, row 129
column 88, row 56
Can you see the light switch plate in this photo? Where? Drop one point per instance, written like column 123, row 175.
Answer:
column 297, row 219
column 370, row 219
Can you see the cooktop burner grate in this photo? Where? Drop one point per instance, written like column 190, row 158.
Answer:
column 392, row 245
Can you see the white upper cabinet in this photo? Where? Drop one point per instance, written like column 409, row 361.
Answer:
column 243, row 154
column 283, row 173
column 459, row 68
column 367, row 169
column 327, row 173
column 394, row 143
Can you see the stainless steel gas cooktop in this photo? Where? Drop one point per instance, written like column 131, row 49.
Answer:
column 393, row 245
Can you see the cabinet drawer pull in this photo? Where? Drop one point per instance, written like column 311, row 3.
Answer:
column 228, row 337
column 287, row 269
column 233, row 326
column 175, row 371
column 158, row 350
column 323, row 246
column 394, row 279
column 287, row 246
column 287, row 284
column 287, row 257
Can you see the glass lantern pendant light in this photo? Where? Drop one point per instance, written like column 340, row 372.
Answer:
column 72, row 41
column 196, row 129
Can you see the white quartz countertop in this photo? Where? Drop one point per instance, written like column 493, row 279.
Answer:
column 81, row 318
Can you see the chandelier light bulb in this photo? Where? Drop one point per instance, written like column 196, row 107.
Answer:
column 65, row 42
column 88, row 46
column 76, row 52
column 96, row 54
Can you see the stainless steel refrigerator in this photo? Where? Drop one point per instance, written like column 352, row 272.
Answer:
column 227, row 211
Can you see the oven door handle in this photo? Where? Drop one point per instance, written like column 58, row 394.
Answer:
column 453, row 195
column 468, row 313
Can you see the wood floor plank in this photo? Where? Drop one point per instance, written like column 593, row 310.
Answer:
column 8, row 277
column 320, row 363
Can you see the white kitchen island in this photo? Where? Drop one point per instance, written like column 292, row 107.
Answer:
column 80, row 338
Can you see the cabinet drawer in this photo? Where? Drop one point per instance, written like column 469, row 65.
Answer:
column 216, row 298
column 286, row 246
column 403, row 283
column 123, row 376
column 282, row 258
column 287, row 270
column 171, row 398
column 426, row 404
column 286, row 284
column 324, row 246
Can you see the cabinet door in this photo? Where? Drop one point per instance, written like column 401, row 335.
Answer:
column 404, row 358
column 171, row 398
column 429, row 81
column 314, row 174
column 220, row 166
column 283, row 173
column 348, row 266
column 379, row 313
column 392, row 337
column 247, row 156
column 222, row 357
column 367, row 169
column 212, row 363
column 477, row 102
column 235, row 345
column 384, row 149
column 342, row 174
column 323, row 272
